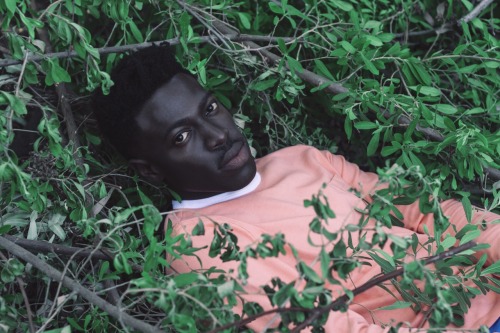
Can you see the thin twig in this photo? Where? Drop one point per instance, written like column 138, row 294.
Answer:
column 377, row 280
column 90, row 296
column 21, row 283
column 125, row 48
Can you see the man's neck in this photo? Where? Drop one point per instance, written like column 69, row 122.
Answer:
column 218, row 198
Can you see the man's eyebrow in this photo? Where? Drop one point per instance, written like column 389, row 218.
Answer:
column 204, row 100
column 178, row 123
column 185, row 121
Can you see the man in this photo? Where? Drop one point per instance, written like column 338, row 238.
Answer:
column 170, row 129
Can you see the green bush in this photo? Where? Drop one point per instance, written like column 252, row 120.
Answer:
column 408, row 84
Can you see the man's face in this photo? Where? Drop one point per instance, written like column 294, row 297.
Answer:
column 189, row 140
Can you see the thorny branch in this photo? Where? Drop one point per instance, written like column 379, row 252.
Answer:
column 317, row 312
column 90, row 296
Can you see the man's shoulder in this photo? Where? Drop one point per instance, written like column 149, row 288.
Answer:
column 294, row 151
column 297, row 152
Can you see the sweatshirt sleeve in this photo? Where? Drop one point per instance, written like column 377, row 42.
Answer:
column 365, row 182
column 260, row 273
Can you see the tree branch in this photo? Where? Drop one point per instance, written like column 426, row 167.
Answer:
column 29, row 313
column 449, row 26
column 78, row 252
column 377, row 280
column 334, row 88
column 125, row 48
column 54, row 274
column 62, row 93
column 305, row 75
column 219, row 26
column 475, row 12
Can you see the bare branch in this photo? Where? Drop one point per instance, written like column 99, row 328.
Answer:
column 475, row 12
column 45, row 247
column 125, row 48
column 54, row 274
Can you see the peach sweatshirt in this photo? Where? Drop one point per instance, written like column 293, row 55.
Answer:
column 276, row 206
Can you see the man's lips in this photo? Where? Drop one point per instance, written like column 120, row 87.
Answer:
column 234, row 157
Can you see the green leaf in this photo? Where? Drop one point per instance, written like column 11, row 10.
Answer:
column 338, row 52
column 371, row 24
column 373, row 144
column 386, row 264
column 396, row 305
column 4, row 229
column 448, row 242
column 135, row 31
column 491, row 269
column 375, row 41
column 389, row 150
column 245, row 20
column 427, row 91
column 446, row 108
column 264, row 85
column 491, row 64
column 320, row 66
column 294, row 65
column 364, row 125
column 309, row 273
column 347, row 46
column 11, row 5
column 344, row 5
column 470, row 236
column 182, row 280
column 199, row 229
column 275, row 8
column 226, row 289
column 325, row 262
column 369, row 65
column 467, row 208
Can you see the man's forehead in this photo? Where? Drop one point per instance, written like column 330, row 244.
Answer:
column 181, row 88
column 175, row 99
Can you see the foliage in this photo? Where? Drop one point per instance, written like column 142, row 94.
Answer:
column 421, row 93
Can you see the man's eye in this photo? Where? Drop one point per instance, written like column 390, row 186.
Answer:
column 181, row 138
column 212, row 107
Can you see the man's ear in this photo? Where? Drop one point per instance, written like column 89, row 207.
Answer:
column 146, row 170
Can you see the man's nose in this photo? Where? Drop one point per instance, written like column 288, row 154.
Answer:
column 215, row 136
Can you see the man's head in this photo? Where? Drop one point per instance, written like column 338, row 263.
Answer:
column 170, row 129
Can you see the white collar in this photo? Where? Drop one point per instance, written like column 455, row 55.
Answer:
column 222, row 197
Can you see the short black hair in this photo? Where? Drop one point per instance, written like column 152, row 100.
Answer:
column 136, row 77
